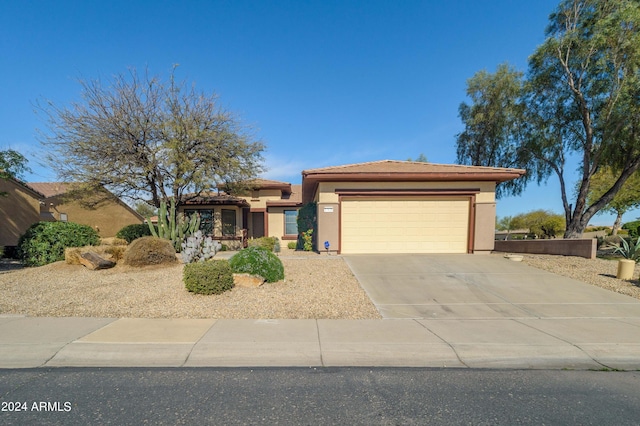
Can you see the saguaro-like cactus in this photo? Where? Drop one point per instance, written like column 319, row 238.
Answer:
column 172, row 226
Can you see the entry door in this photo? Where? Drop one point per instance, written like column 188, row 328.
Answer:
column 257, row 223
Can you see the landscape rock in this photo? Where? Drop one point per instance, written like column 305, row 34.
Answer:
column 247, row 280
column 93, row 261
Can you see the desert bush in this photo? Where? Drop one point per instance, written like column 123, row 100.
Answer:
column 632, row 228
column 258, row 261
column 212, row 277
column 264, row 242
column 292, row 245
column 149, row 251
column 609, row 241
column 113, row 241
column 133, row 232
column 44, row 242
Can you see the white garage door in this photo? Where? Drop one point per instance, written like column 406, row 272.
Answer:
column 405, row 225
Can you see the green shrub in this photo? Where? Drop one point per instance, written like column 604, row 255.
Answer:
column 212, row 277
column 264, row 242
column 632, row 228
column 44, row 242
column 149, row 251
column 292, row 245
column 1, row 252
column 133, row 232
column 307, row 222
column 307, row 240
column 258, row 261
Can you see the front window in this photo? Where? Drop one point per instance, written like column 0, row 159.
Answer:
column 291, row 222
column 228, row 222
column 206, row 219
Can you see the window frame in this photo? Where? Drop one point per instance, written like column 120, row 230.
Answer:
column 289, row 223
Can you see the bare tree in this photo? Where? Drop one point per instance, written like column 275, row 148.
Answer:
column 145, row 139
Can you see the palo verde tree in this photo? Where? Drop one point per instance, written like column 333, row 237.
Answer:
column 147, row 139
column 580, row 100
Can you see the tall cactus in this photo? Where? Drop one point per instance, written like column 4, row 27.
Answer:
column 175, row 227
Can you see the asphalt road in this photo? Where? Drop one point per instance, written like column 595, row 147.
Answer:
column 317, row 396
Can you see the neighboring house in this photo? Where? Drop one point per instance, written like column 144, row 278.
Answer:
column 405, row 207
column 268, row 208
column 19, row 209
column 104, row 212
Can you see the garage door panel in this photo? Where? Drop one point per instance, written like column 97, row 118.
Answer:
column 404, row 226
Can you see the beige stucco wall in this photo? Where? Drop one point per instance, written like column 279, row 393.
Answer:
column 107, row 217
column 276, row 222
column 328, row 224
column 326, row 190
column 263, row 195
column 18, row 211
column 485, row 226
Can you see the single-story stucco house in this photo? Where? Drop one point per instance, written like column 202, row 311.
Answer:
column 375, row 207
column 268, row 208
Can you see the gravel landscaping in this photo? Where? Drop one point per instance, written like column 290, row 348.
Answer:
column 316, row 286
column 598, row 272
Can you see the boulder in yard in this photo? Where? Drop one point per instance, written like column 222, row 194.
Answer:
column 247, row 280
column 93, row 261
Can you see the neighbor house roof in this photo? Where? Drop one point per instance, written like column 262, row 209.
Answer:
column 34, row 192
column 49, row 189
column 54, row 189
column 406, row 171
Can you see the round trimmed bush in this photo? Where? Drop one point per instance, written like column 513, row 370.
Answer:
column 133, row 232
column 44, row 242
column 212, row 277
column 258, row 261
column 147, row 251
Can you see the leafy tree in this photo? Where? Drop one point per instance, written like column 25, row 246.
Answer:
column 580, row 100
column 509, row 223
column 143, row 138
column 12, row 165
column 541, row 223
column 491, row 123
column 627, row 198
column 144, row 209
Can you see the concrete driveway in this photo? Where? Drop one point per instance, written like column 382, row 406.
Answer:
column 480, row 287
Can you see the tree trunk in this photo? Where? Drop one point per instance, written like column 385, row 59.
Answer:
column 576, row 227
column 616, row 224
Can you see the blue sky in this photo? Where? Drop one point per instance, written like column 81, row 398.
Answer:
column 322, row 82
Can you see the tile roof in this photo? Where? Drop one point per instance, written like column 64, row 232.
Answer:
column 50, row 189
column 394, row 166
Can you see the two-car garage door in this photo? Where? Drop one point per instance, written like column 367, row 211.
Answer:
column 405, row 225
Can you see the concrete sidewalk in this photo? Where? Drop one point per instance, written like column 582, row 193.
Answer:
column 545, row 343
